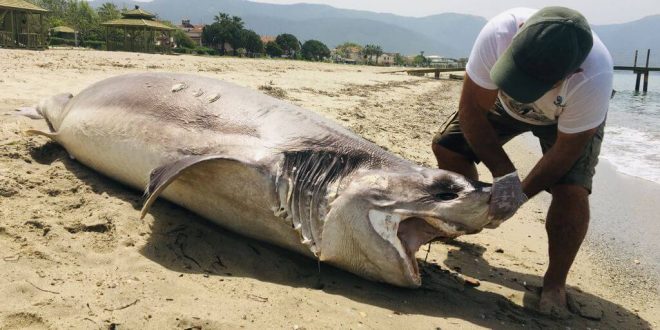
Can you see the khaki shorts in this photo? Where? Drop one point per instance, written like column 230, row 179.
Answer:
column 451, row 137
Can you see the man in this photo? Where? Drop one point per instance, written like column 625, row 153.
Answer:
column 541, row 71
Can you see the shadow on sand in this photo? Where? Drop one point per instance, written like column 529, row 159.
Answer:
column 183, row 242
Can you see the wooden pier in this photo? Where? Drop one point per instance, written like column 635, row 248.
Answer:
column 435, row 71
column 639, row 71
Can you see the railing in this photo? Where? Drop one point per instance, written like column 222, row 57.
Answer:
column 6, row 39
column 30, row 40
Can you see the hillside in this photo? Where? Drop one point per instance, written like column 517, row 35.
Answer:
column 446, row 34
column 623, row 39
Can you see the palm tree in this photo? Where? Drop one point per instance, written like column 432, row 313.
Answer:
column 368, row 52
column 378, row 51
column 220, row 17
column 238, row 22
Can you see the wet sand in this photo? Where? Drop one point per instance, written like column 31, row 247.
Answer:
column 74, row 253
column 626, row 224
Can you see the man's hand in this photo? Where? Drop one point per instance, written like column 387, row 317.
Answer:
column 505, row 199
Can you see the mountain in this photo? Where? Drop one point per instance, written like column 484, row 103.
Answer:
column 334, row 31
column 623, row 39
column 444, row 34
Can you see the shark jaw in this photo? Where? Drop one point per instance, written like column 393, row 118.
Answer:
column 407, row 235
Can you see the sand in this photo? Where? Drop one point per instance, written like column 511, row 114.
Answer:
column 74, row 254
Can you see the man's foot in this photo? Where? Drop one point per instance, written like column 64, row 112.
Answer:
column 553, row 303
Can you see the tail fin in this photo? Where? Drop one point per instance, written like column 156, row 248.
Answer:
column 53, row 110
column 30, row 112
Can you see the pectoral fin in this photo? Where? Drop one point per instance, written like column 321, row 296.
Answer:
column 161, row 177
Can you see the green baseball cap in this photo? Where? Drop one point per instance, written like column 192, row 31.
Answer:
column 551, row 45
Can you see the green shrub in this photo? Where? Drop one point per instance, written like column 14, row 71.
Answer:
column 182, row 50
column 205, row 51
column 95, row 44
column 54, row 41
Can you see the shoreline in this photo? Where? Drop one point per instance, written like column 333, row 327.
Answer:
column 622, row 237
column 623, row 212
column 75, row 253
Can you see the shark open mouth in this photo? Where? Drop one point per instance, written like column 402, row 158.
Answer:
column 415, row 232
column 408, row 234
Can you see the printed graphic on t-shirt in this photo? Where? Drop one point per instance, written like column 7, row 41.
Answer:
column 530, row 113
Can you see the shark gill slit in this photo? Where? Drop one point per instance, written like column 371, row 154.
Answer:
column 311, row 172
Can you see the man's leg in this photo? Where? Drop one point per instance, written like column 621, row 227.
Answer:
column 566, row 224
column 455, row 162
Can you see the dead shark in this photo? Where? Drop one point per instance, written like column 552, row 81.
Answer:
column 266, row 169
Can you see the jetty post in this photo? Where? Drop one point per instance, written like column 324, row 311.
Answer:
column 646, row 71
column 636, row 72
column 639, row 71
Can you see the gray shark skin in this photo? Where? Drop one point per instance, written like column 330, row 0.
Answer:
column 266, row 169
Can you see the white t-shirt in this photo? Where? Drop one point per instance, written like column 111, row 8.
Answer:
column 577, row 105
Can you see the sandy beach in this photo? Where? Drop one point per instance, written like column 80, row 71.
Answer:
column 74, row 253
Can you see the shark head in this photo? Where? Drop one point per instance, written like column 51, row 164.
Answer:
column 379, row 220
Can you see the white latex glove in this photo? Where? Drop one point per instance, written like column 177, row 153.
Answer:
column 505, row 198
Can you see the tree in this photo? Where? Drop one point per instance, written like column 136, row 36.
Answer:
column 57, row 10
column 378, row 51
column 289, row 44
column 75, row 13
column 211, row 36
column 80, row 15
column 181, row 39
column 346, row 49
column 226, row 29
column 251, row 41
column 273, row 49
column 314, row 50
column 419, row 60
column 399, row 60
column 368, row 52
column 108, row 11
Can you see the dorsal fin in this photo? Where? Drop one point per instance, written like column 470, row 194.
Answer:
column 161, row 177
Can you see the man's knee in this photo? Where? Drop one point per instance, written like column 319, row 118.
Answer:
column 453, row 161
column 441, row 152
column 569, row 193
column 570, row 205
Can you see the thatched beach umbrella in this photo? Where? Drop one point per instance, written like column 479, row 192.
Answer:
column 140, row 30
column 64, row 31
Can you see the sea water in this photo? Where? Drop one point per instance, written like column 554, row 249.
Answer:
column 632, row 133
column 625, row 204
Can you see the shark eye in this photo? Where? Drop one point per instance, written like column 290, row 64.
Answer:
column 446, row 196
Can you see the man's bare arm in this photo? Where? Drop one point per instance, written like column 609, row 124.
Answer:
column 557, row 161
column 474, row 105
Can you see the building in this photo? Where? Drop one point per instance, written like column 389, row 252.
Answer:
column 267, row 39
column 348, row 55
column 141, row 32
column 443, row 62
column 21, row 25
column 387, row 59
column 193, row 31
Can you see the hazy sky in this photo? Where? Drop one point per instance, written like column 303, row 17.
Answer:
column 596, row 11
